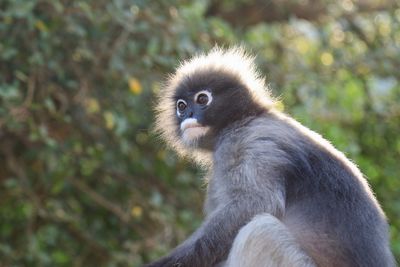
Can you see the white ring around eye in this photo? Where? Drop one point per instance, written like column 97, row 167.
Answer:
column 206, row 92
column 177, row 103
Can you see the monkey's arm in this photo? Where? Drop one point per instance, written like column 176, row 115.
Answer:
column 211, row 243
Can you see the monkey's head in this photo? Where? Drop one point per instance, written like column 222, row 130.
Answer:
column 207, row 94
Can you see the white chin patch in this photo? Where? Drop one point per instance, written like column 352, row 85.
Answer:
column 192, row 130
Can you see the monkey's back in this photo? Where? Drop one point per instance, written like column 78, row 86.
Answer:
column 329, row 206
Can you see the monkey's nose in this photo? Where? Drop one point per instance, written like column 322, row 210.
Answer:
column 191, row 114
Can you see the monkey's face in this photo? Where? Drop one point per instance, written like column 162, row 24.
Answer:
column 208, row 102
column 191, row 114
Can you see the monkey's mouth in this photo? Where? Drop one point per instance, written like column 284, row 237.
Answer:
column 192, row 130
column 189, row 124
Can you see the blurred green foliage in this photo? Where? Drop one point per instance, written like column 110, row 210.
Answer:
column 83, row 182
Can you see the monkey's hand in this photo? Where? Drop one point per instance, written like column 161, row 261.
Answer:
column 170, row 261
column 163, row 262
column 211, row 243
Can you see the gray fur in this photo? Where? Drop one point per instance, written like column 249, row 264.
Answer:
column 271, row 243
column 316, row 205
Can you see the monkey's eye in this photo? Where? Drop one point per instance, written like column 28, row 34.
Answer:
column 203, row 98
column 181, row 105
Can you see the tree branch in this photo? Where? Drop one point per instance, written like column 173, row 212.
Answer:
column 100, row 200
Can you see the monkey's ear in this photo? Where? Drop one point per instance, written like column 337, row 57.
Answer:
column 166, row 125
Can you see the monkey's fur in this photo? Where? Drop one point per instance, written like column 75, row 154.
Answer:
column 278, row 193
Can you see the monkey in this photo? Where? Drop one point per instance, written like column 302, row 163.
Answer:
column 278, row 194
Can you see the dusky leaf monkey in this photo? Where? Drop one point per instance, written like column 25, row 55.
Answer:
column 278, row 193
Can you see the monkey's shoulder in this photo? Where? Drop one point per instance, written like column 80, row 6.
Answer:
column 270, row 133
column 278, row 142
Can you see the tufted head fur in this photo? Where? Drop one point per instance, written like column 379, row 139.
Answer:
column 230, row 79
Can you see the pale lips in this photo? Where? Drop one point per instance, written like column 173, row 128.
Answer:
column 190, row 123
column 192, row 130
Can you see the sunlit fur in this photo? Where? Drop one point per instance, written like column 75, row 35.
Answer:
column 234, row 61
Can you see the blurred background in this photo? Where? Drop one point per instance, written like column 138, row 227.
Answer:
column 84, row 182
